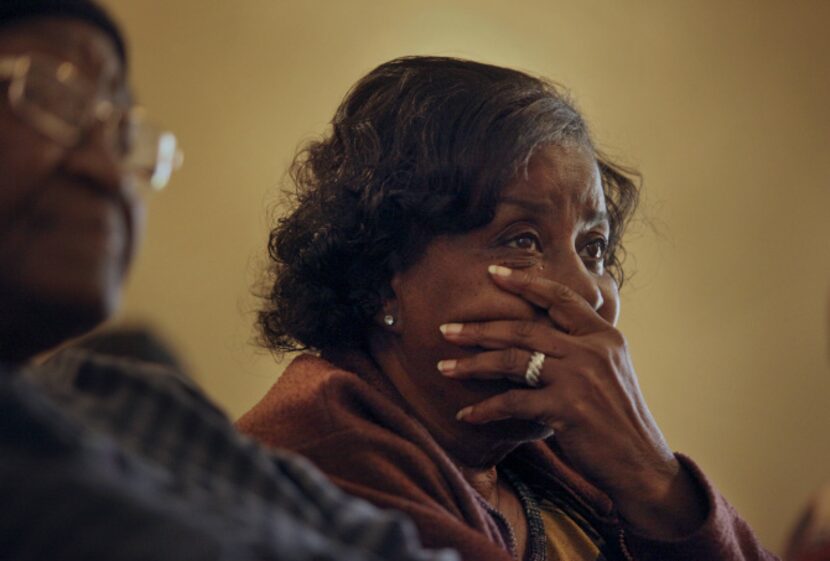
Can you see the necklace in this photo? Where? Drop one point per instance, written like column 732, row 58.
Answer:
column 537, row 542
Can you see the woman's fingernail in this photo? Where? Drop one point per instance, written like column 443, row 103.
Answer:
column 447, row 366
column 451, row 328
column 499, row 271
column 463, row 413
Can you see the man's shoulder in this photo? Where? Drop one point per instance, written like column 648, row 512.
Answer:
column 30, row 426
column 149, row 410
column 85, row 378
column 152, row 421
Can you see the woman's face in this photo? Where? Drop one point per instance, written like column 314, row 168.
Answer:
column 552, row 221
column 68, row 218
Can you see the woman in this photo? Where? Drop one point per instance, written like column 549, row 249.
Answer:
column 454, row 256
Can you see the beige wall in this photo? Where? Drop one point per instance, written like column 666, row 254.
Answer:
column 722, row 104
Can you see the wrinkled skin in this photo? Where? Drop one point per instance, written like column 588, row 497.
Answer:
column 69, row 219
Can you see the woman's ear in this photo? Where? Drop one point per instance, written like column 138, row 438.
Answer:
column 388, row 317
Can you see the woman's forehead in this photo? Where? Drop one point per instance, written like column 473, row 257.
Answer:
column 559, row 173
column 71, row 39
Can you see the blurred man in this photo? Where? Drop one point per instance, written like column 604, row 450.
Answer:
column 100, row 457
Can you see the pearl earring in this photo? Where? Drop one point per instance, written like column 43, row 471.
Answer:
column 389, row 320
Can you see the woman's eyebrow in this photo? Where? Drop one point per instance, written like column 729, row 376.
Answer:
column 597, row 216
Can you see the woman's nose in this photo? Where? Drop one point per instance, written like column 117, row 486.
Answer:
column 570, row 271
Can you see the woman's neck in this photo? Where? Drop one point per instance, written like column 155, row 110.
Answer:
column 484, row 480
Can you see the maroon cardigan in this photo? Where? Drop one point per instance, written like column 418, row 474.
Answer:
column 352, row 423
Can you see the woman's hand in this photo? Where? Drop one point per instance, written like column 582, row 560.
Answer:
column 588, row 394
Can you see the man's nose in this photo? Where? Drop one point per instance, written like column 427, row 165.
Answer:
column 97, row 159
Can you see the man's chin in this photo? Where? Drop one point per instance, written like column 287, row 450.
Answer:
column 84, row 312
column 44, row 319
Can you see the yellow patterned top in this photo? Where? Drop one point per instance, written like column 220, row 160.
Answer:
column 567, row 540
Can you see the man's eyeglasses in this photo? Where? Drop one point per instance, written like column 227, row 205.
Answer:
column 57, row 101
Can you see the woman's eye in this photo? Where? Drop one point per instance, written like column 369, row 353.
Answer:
column 525, row 241
column 595, row 250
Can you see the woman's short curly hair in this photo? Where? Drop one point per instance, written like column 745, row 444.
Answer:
column 420, row 147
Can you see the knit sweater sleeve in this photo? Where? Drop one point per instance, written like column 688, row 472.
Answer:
column 724, row 535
